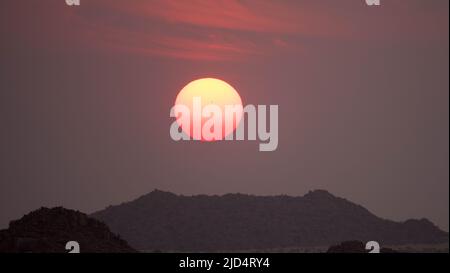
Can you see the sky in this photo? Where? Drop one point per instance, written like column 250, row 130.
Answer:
column 363, row 96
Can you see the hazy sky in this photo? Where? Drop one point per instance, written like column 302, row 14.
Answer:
column 363, row 95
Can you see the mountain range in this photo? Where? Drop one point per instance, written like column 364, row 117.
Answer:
column 165, row 221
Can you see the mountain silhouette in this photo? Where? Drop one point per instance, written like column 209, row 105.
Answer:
column 168, row 222
column 48, row 230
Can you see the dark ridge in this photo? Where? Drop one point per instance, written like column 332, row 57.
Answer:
column 168, row 222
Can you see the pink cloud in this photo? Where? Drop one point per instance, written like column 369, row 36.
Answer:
column 222, row 29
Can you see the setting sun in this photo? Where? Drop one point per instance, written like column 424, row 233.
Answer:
column 209, row 91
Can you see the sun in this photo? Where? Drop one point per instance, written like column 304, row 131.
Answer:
column 210, row 91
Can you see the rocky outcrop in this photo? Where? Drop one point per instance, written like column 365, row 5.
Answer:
column 48, row 230
column 355, row 247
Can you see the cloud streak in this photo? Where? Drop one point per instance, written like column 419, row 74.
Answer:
column 226, row 29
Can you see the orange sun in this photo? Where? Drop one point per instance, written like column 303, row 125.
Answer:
column 211, row 92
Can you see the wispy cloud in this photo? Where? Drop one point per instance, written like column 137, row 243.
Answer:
column 200, row 30
column 225, row 29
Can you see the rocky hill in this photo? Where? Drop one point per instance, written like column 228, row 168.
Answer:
column 355, row 247
column 48, row 230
